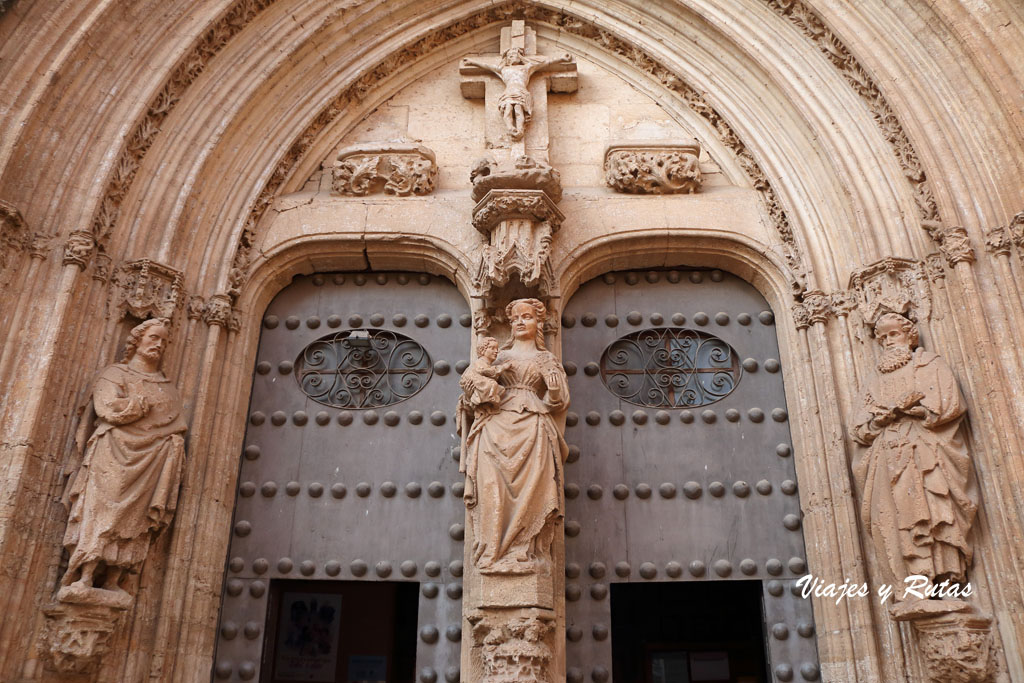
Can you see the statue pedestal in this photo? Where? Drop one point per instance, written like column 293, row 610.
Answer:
column 956, row 646
column 509, row 590
column 79, row 627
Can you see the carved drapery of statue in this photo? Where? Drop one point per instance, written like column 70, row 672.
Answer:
column 514, row 451
column 916, row 501
column 126, row 489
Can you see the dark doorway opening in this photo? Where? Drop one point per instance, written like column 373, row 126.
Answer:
column 688, row 632
column 340, row 632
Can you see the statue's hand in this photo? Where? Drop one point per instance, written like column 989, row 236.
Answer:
column 917, row 411
column 553, row 381
column 909, row 399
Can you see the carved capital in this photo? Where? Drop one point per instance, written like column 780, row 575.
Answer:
column 395, row 169
column 818, row 306
column 843, row 301
column 218, row 310
column 78, row 248
column 997, row 241
column 657, row 168
column 101, row 267
column 234, row 321
column 934, row 266
column 1016, row 229
column 522, row 173
column 892, row 285
column 801, row 316
column 955, row 245
column 195, row 307
column 957, row 647
column 147, row 289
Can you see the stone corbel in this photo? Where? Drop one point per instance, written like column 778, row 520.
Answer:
column 954, row 243
column 653, row 168
column 147, row 289
column 218, row 310
column 79, row 627
column 892, row 285
column 957, row 647
column 399, row 169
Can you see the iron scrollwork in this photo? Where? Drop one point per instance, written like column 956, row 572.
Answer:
column 365, row 368
column 670, row 367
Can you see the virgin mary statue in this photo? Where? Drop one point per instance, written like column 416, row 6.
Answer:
column 514, row 451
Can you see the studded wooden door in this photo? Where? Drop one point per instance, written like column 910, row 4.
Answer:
column 681, row 463
column 347, row 472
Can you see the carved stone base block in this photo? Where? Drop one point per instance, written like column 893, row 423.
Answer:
column 513, row 646
column 79, row 626
column 957, row 647
column 509, row 590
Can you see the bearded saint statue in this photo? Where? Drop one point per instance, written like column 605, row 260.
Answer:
column 913, row 479
column 126, row 489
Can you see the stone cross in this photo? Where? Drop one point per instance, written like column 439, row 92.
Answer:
column 515, row 98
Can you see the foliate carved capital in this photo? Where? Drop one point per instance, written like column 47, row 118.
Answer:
column 997, row 241
column 39, row 246
column 1016, row 229
column 218, row 310
column 395, row 169
column 801, row 316
column 101, row 267
column 78, row 248
column 145, row 288
column 818, row 306
column 954, row 244
column 843, row 301
column 957, row 647
column 13, row 234
column 195, row 307
column 892, row 285
column 934, row 266
column 662, row 168
column 514, row 646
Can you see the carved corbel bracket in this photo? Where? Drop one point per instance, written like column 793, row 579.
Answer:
column 892, row 285
column 79, row 627
column 513, row 645
column 954, row 243
column 145, row 288
column 399, row 169
column 653, row 168
column 78, row 248
column 957, row 647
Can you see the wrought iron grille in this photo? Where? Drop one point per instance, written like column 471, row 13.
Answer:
column 366, row 368
column 670, row 367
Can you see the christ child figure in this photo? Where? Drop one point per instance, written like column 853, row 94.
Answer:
column 479, row 381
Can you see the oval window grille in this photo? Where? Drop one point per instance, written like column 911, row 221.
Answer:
column 670, row 367
column 363, row 369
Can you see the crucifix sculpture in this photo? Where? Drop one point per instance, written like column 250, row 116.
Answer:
column 520, row 97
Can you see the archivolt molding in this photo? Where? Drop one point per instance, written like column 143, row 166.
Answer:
column 142, row 136
column 828, row 43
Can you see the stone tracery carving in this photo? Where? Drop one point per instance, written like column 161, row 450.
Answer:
column 123, row 494
column 395, row 169
column 661, row 168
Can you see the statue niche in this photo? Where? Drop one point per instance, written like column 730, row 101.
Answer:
column 122, row 495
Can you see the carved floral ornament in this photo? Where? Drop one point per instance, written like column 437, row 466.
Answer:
column 655, row 168
column 398, row 169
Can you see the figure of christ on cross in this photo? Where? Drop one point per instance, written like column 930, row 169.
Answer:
column 515, row 69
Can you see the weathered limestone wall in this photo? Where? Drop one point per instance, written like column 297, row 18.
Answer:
column 834, row 137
